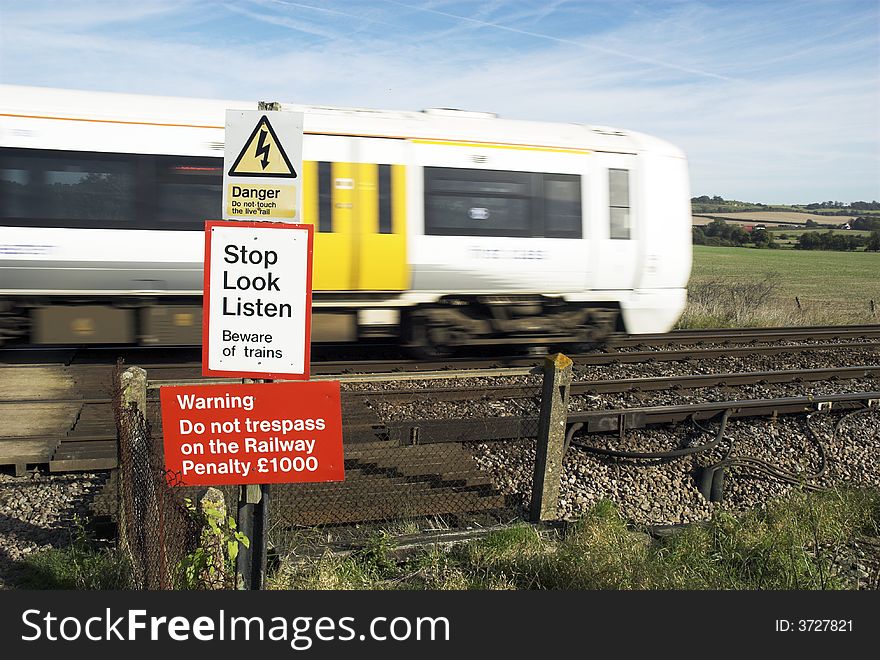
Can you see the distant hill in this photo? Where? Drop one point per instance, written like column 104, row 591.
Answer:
column 713, row 205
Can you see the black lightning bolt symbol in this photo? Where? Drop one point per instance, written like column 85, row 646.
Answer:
column 263, row 149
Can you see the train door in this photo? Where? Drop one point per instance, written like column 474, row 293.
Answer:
column 379, row 231
column 616, row 229
column 328, row 203
column 354, row 193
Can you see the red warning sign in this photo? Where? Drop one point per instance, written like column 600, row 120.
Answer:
column 257, row 433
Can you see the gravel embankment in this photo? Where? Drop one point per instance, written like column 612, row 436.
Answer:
column 38, row 512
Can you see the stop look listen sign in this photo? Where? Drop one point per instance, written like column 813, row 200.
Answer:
column 258, row 300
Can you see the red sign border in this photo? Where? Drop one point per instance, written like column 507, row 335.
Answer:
column 206, row 300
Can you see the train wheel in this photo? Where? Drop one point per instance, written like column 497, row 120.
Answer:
column 425, row 339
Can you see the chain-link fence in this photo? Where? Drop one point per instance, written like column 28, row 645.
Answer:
column 172, row 536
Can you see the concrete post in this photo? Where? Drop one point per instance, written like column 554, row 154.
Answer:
column 133, row 385
column 134, row 389
column 551, row 437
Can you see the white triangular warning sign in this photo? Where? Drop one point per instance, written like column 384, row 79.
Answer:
column 263, row 155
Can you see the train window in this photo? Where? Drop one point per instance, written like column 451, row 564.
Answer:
column 477, row 216
column 14, row 186
column 78, row 189
column 619, row 204
column 457, row 183
column 562, row 206
column 46, row 187
column 188, row 191
column 385, row 225
column 468, row 202
column 325, row 198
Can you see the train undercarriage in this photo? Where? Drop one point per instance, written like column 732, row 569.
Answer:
column 436, row 329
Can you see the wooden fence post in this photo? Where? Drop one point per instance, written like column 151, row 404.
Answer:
column 551, row 437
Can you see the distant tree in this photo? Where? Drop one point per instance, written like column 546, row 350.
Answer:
column 829, row 241
column 865, row 223
column 811, row 223
column 715, row 228
column 698, row 237
column 873, row 243
column 806, row 241
column 761, row 238
column 739, row 236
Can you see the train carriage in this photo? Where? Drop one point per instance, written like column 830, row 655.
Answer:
column 436, row 229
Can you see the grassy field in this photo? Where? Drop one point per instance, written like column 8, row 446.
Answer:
column 750, row 287
column 769, row 217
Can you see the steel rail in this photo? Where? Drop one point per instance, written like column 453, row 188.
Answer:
column 406, row 432
column 494, row 392
column 620, row 385
column 740, row 335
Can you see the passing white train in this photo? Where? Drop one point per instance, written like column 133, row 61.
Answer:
column 438, row 228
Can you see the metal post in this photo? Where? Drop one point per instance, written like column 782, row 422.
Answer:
column 253, row 500
column 244, row 560
column 551, row 437
column 259, row 543
column 253, row 522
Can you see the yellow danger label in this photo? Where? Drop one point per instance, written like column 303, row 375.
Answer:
column 261, row 201
column 263, row 154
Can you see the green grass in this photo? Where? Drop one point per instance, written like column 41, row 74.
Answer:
column 793, row 543
column 82, row 564
column 832, row 287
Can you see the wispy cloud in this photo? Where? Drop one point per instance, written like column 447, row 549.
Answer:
column 774, row 102
column 568, row 42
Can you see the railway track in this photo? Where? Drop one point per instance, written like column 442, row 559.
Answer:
column 324, row 362
column 58, row 412
column 747, row 335
column 66, row 420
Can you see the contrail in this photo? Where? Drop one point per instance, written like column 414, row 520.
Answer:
column 538, row 35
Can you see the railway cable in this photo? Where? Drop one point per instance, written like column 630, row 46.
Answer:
column 711, row 478
column 804, row 480
column 673, row 453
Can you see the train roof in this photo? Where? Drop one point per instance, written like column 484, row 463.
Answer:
column 446, row 124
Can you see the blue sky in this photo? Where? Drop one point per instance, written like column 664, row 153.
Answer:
column 775, row 101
